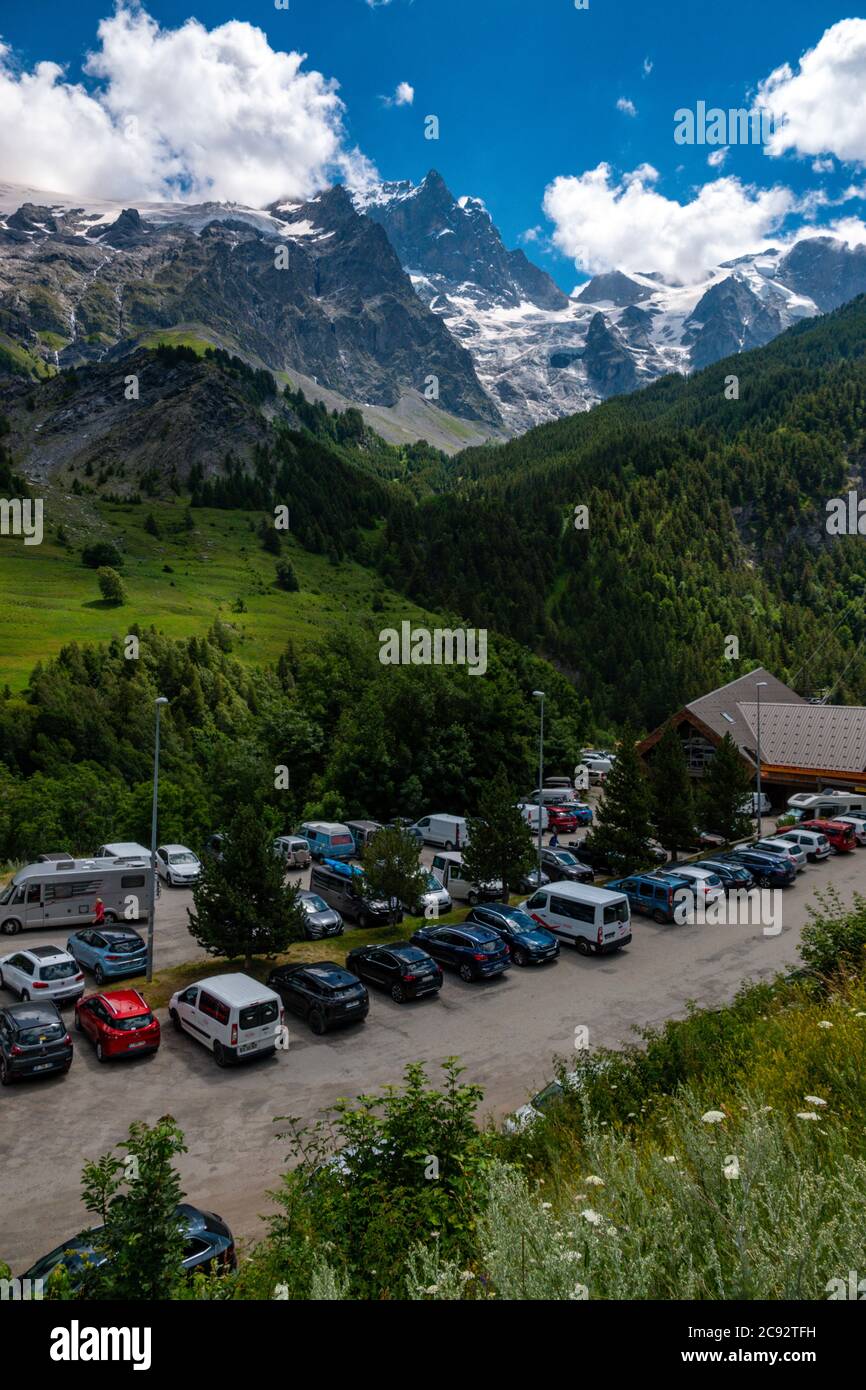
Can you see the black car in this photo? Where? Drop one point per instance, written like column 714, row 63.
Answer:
column 34, row 1041
column 319, row 919
column 209, row 1244
column 561, row 864
column 475, row 952
column 766, row 869
column 733, row 876
column 528, row 943
column 405, row 971
column 324, row 994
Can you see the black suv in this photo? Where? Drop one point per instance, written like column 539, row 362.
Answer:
column 561, row 864
column 33, row 1041
column 405, row 971
column 342, row 887
column 324, row 994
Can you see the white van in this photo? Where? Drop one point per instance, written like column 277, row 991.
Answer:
column 592, row 919
column 529, row 813
column 232, row 1015
column 448, row 869
column 596, row 768
column 449, row 832
column 551, row 796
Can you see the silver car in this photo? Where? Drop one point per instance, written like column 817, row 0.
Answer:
column 434, row 901
column 784, row 849
column 319, row 919
column 42, row 972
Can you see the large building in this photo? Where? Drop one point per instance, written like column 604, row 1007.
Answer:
column 804, row 746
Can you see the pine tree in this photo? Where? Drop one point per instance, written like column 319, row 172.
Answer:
column 726, row 788
column 392, row 871
column 624, row 830
column 672, row 800
column 499, row 844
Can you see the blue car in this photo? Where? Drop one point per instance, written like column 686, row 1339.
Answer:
column 528, row 943
column 474, row 952
column 655, row 895
column 108, row 952
column 581, row 812
column 768, row 870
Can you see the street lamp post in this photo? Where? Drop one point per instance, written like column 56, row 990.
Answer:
column 539, row 695
column 159, row 702
column 759, row 686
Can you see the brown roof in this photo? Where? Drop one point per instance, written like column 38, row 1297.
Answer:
column 722, row 710
column 809, row 736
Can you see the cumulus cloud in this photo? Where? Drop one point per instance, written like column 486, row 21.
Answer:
column 647, row 66
column 176, row 113
column 404, row 95
column 626, row 106
column 820, row 108
column 603, row 222
column 718, row 157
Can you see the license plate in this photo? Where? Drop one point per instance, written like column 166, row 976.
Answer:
column 43, row 1066
column 355, row 1004
column 138, row 1044
column 248, row 1047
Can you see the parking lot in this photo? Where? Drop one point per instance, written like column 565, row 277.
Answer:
column 507, row 1033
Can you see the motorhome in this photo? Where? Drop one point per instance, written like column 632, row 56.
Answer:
column 62, row 893
column 827, row 804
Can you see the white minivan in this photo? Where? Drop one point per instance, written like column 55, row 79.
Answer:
column 448, row 869
column 592, row 919
column 232, row 1015
column 449, row 832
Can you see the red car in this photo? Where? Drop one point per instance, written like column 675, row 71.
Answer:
column 560, row 818
column 840, row 835
column 120, row 1023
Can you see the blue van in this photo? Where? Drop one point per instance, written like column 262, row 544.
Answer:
column 329, row 838
column 652, row 894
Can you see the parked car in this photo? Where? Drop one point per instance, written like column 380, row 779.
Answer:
column 840, row 834
column 528, row 943
column 529, row 881
column 858, row 823
column 34, row 1041
column 778, row 844
column 404, row 970
column 561, row 864
column 328, row 838
column 734, row 876
column 448, row 868
column 362, row 832
column 828, row 804
column 814, row 845
column 232, row 1015
column 707, row 884
column 123, row 849
column 655, row 895
column 768, row 870
column 600, row 861
column 108, row 952
column 562, row 818
column 407, row 826
column 324, row 994
column 293, row 850
column 344, row 887
column 178, row 866
column 435, row 901
column 119, row 1024
column 215, row 846
column 208, row 1245
column 442, row 830
column 750, row 806
column 43, row 972
column 476, row 953
column 594, row 920
column 319, row 919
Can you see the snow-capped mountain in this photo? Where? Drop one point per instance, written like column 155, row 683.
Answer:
column 541, row 354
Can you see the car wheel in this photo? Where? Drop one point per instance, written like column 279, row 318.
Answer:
column 472, row 899
column 100, row 1053
column 175, row 1018
column 583, row 946
column 466, row 973
column 11, row 927
column 519, row 957
column 24, row 996
column 99, row 974
column 398, row 994
column 763, row 881
column 448, row 846
column 317, row 1022
column 5, row 1074
column 659, row 916
column 219, row 1055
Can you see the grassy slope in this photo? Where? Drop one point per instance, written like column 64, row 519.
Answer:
column 50, row 598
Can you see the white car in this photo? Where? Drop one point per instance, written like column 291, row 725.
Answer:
column 859, row 825
column 707, row 883
column 42, row 972
column 785, row 849
column 178, row 865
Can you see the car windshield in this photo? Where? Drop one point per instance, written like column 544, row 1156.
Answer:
column 257, row 1015
column 61, row 971
column 433, row 884
column 563, row 856
column 185, row 858
column 521, row 921
column 7, row 894
column 126, row 945
column 128, row 1025
column 44, row 1032
column 314, row 904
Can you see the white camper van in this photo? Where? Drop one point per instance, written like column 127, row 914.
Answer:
column 233, row 1016
column 62, row 893
column 828, row 804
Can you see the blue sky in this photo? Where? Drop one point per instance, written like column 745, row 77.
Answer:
column 526, row 93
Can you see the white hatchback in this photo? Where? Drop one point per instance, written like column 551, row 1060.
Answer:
column 706, row 882
column 178, row 865
column 42, row 972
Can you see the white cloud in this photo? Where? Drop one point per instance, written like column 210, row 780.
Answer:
column 822, row 166
column 647, row 66
column 821, row 108
column 404, row 95
column 718, row 157
column 186, row 112
column 604, row 223
column 626, row 106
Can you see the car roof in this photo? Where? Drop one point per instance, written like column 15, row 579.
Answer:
column 124, row 1003
column 34, row 1011
column 235, row 988
column 599, row 896
column 170, row 849
column 45, row 952
column 330, row 971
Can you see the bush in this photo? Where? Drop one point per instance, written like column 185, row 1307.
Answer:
column 111, row 585
column 835, row 939
column 102, row 553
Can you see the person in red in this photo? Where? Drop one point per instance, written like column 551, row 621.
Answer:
column 99, row 913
